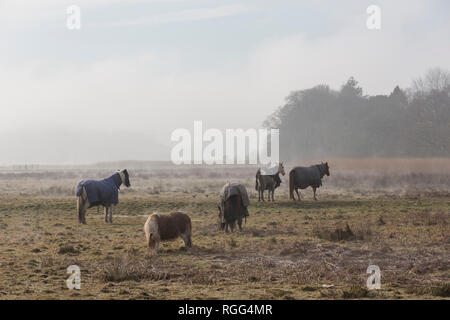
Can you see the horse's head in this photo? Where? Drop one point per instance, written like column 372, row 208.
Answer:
column 221, row 218
column 327, row 169
column 124, row 176
column 281, row 168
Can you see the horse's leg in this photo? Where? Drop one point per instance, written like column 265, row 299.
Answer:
column 84, row 210
column 106, row 210
column 262, row 194
column 240, row 224
column 273, row 191
column 314, row 189
column 298, row 195
column 111, row 210
column 226, row 227
column 149, row 243
column 186, row 240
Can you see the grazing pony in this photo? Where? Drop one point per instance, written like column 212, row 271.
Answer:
column 303, row 177
column 233, row 206
column 160, row 227
column 233, row 210
column 104, row 192
column 268, row 179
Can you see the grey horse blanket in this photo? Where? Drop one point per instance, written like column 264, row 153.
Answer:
column 232, row 189
column 269, row 171
column 308, row 176
column 101, row 192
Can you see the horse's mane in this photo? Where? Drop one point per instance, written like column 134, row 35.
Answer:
column 321, row 168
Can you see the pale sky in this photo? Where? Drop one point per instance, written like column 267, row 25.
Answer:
column 137, row 70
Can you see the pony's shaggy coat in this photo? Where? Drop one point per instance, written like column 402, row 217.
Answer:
column 161, row 227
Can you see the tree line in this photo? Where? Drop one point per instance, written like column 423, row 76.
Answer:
column 412, row 122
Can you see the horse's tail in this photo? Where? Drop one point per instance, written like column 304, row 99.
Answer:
column 81, row 199
column 291, row 184
column 257, row 178
column 79, row 189
column 78, row 206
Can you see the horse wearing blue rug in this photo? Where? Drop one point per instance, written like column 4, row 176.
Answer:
column 304, row 177
column 91, row 193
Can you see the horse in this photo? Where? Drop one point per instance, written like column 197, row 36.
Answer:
column 104, row 192
column 233, row 206
column 160, row 227
column 233, row 210
column 268, row 179
column 303, row 177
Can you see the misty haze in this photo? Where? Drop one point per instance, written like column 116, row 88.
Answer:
column 355, row 95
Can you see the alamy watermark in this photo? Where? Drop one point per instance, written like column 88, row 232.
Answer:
column 373, row 22
column 236, row 146
column 73, row 17
column 374, row 280
column 74, row 281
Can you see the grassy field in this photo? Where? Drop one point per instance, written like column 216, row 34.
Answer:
column 396, row 219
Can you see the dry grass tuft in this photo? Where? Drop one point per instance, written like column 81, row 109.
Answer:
column 441, row 291
column 355, row 292
column 337, row 234
column 128, row 267
column 67, row 249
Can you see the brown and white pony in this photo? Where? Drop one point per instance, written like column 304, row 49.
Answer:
column 161, row 227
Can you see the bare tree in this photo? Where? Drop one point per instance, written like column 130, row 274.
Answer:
column 436, row 79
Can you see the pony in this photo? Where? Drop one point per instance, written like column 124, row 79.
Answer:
column 104, row 192
column 160, row 227
column 304, row 177
column 268, row 179
column 233, row 206
column 233, row 210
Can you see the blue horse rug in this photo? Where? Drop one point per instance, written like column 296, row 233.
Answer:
column 101, row 192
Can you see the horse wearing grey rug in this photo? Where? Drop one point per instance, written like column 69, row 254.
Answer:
column 233, row 206
column 268, row 179
column 104, row 192
column 304, row 177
